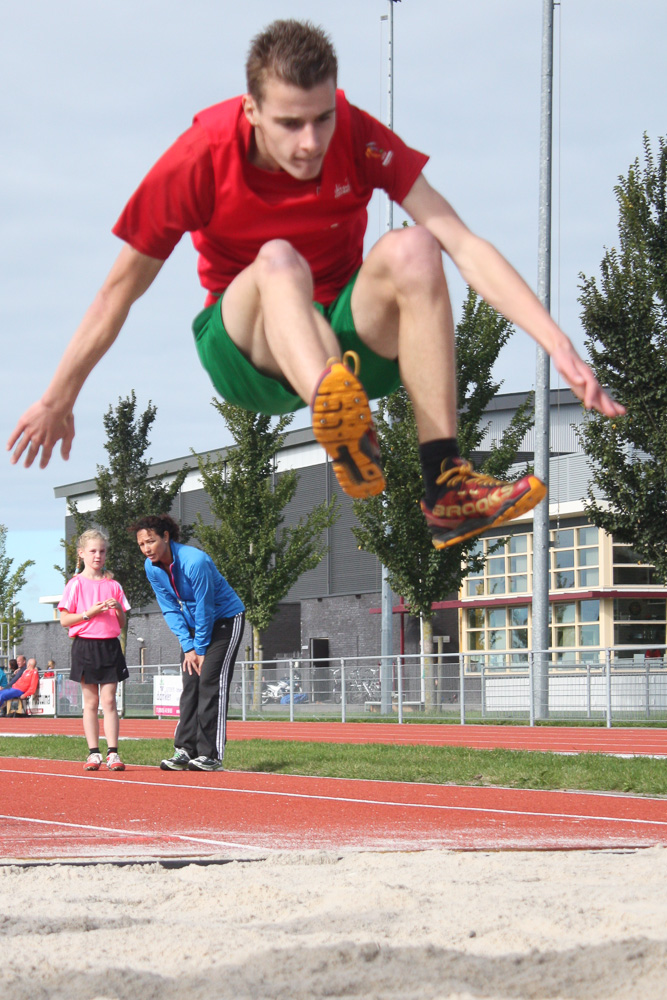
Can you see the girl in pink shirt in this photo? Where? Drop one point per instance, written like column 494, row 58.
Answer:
column 93, row 609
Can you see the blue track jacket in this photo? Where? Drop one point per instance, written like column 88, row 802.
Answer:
column 192, row 595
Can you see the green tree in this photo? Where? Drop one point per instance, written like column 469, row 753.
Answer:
column 625, row 318
column 392, row 525
column 248, row 541
column 11, row 582
column 125, row 493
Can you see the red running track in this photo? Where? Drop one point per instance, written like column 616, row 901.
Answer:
column 52, row 809
column 554, row 739
column 145, row 812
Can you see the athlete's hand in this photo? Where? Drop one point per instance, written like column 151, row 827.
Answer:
column 42, row 426
column 583, row 382
column 192, row 662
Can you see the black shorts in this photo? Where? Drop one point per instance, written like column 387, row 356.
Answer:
column 97, row 661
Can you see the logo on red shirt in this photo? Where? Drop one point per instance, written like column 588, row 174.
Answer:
column 373, row 152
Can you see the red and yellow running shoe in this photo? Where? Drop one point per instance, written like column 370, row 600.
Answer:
column 469, row 502
column 342, row 424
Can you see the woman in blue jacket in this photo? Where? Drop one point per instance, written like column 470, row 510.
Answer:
column 207, row 617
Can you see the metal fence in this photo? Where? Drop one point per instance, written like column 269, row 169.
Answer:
column 586, row 685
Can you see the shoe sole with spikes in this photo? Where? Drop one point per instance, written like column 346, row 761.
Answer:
column 343, row 425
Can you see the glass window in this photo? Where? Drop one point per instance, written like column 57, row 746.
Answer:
column 497, row 639
column 519, row 638
column 564, row 539
column 589, row 611
column 518, row 564
column 518, row 584
column 587, row 557
column 564, row 613
column 639, row 634
column 476, row 640
column 519, row 615
column 474, row 588
column 497, row 585
column 475, row 617
column 565, row 636
column 624, row 554
column 649, row 609
column 587, row 535
column 563, row 560
column 496, row 617
column 589, row 577
column 496, row 565
column 518, row 543
column 625, row 576
column 589, row 635
column 562, row 581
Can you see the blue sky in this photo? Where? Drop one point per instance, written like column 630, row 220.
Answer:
column 104, row 89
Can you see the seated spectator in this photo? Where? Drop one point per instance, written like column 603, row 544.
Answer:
column 20, row 667
column 24, row 687
column 12, row 667
column 50, row 669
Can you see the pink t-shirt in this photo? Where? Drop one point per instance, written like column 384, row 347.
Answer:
column 80, row 594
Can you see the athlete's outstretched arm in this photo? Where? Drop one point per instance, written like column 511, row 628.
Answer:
column 494, row 278
column 51, row 419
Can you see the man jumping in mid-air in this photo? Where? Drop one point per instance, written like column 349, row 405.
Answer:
column 274, row 187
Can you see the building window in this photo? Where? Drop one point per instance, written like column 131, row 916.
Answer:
column 639, row 622
column 574, row 624
column 502, row 632
column 575, row 558
column 506, row 570
column 629, row 571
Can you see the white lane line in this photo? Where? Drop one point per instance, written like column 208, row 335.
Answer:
column 130, row 833
column 369, row 802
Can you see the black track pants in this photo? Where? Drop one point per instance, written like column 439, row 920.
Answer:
column 202, row 728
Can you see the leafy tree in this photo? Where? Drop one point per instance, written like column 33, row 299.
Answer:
column 11, row 582
column 392, row 525
column 125, row 493
column 248, row 541
column 625, row 318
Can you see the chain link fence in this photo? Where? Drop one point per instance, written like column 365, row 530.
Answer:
column 579, row 686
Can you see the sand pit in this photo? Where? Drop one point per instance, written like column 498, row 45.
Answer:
column 425, row 925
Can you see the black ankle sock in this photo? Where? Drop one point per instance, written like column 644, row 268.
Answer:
column 112, row 750
column 431, row 456
column 93, row 750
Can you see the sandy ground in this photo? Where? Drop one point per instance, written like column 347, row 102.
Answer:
column 426, row 925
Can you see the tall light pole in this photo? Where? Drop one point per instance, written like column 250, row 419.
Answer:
column 387, row 598
column 541, row 514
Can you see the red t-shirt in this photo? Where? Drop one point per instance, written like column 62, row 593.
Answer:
column 205, row 185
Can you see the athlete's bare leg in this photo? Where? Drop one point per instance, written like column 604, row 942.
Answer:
column 268, row 312
column 401, row 308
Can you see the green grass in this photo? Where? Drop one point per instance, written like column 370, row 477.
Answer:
column 440, row 765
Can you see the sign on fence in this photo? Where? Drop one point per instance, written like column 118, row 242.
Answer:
column 167, row 694
column 44, row 701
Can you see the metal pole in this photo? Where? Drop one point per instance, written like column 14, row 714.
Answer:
column 387, row 598
column 541, row 516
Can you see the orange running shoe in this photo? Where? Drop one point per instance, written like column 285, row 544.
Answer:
column 470, row 502
column 342, row 424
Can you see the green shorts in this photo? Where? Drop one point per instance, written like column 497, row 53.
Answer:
column 239, row 382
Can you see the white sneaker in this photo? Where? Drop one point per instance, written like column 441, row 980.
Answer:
column 94, row 762
column 114, row 763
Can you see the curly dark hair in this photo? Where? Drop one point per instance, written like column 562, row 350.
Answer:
column 297, row 52
column 159, row 523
